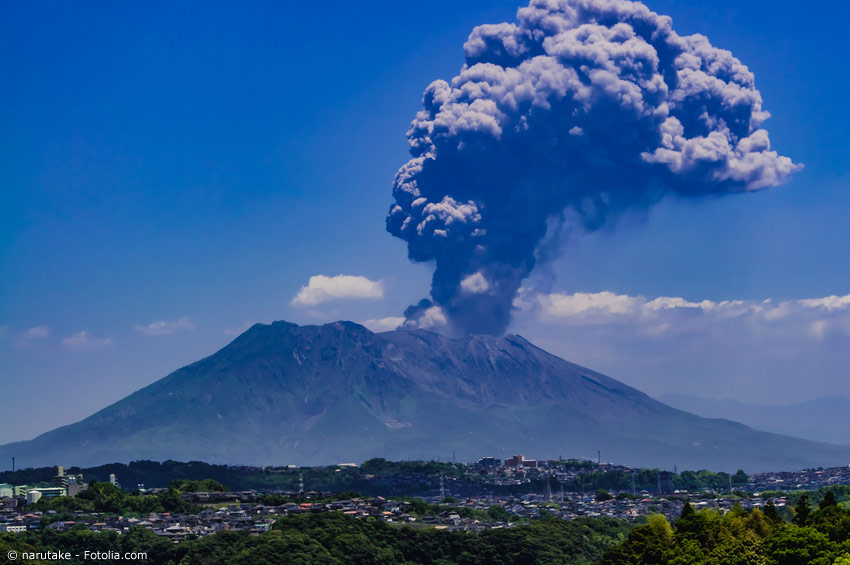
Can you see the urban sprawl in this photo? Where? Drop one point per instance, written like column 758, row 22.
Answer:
column 482, row 486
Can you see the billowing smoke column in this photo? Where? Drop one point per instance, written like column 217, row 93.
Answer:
column 579, row 111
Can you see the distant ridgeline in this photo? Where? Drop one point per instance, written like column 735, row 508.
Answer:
column 382, row 477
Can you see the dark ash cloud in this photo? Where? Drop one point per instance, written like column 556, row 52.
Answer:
column 579, row 111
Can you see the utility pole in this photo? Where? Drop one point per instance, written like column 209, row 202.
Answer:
column 301, row 483
column 598, row 457
column 562, row 491
column 549, row 488
column 454, row 460
column 730, row 484
column 634, row 491
column 442, row 489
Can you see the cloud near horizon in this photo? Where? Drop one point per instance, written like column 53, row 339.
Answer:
column 321, row 288
column 665, row 316
column 83, row 341
column 163, row 327
column 756, row 350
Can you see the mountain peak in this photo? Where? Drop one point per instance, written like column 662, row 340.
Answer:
column 281, row 393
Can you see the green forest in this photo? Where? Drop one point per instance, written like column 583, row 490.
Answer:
column 818, row 535
column 333, row 538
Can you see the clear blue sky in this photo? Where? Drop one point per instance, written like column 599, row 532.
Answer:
column 202, row 161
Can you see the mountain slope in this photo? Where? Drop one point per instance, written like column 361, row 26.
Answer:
column 826, row 418
column 288, row 394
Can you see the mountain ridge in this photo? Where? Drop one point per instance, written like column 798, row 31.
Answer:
column 286, row 394
column 825, row 418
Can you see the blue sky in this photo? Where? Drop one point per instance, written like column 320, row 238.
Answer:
column 196, row 165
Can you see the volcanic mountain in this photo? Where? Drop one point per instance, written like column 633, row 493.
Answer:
column 307, row 395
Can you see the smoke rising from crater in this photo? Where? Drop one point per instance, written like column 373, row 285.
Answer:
column 580, row 110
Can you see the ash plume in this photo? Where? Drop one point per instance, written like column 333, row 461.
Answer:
column 580, row 110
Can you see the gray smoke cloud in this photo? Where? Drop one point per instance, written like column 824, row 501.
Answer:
column 579, row 111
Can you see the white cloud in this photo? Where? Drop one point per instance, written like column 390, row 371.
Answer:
column 163, row 327
column 383, row 324
column 666, row 302
column 763, row 350
column 430, row 318
column 475, row 284
column 815, row 317
column 830, row 302
column 321, row 288
column 598, row 303
column 38, row 332
column 83, row 341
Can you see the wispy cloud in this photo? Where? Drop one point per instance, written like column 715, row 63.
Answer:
column 38, row 332
column 163, row 327
column 238, row 329
column 83, row 341
column 383, row 324
column 321, row 288
column 25, row 338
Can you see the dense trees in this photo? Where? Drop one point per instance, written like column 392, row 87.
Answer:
column 108, row 498
column 647, row 479
column 709, row 537
column 205, row 485
column 335, row 538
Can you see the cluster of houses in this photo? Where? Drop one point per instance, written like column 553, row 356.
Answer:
column 245, row 516
column 246, row 511
column 578, row 506
column 809, row 479
column 258, row 518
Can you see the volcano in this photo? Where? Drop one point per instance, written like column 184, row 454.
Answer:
column 312, row 395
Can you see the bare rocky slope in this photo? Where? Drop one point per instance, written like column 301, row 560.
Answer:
column 310, row 395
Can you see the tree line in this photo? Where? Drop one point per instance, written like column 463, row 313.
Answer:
column 817, row 535
column 334, row 538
